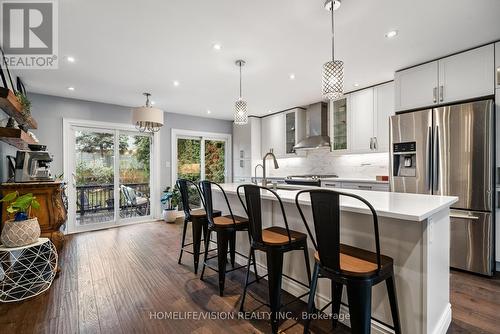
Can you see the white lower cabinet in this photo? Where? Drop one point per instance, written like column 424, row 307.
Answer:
column 356, row 185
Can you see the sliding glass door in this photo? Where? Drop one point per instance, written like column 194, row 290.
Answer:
column 201, row 156
column 110, row 179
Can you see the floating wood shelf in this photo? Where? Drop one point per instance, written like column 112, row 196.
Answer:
column 12, row 107
column 16, row 137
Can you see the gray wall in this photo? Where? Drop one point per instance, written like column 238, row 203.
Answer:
column 5, row 150
column 49, row 112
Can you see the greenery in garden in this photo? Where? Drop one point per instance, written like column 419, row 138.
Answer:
column 189, row 164
column 97, row 167
column 214, row 161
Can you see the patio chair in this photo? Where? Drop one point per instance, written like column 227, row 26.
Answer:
column 136, row 200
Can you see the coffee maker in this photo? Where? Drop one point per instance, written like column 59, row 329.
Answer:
column 33, row 166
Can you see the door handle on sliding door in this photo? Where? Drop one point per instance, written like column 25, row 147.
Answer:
column 435, row 162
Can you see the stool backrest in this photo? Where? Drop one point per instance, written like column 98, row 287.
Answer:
column 184, row 185
column 206, row 192
column 325, row 205
column 254, row 210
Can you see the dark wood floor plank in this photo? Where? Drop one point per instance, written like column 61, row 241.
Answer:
column 112, row 281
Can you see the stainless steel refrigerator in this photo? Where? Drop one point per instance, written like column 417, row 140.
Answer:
column 450, row 151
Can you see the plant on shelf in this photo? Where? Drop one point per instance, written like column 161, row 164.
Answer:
column 25, row 103
column 170, row 200
column 23, row 229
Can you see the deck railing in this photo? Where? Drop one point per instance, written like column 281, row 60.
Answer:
column 94, row 198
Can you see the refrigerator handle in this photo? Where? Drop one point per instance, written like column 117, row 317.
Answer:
column 435, row 171
column 428, row 172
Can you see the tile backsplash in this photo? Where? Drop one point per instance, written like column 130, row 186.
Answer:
column 325, row 162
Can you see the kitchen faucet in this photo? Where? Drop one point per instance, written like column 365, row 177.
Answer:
column 255, row 171
column 271, row 154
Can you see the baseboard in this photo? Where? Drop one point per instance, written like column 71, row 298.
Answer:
column 321, row 300
column 444, row 322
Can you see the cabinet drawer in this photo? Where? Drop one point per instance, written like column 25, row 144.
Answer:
column 331, row 184
column 366, row 186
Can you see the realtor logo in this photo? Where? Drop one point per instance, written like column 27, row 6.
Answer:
column 29, row 33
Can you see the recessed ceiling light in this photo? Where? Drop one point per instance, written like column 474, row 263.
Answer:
column 292, row 76
column 70, row 59
column 71, row 88
column 176, row 83
column 217, row 46
column 356, row 85
column 209, row 112
column 391, row 34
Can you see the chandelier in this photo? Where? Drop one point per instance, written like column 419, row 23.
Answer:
column 147, row 118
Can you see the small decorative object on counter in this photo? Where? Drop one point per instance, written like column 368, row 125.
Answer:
column 170, row 202
column 21, row 230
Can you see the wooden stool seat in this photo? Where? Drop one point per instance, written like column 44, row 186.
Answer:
column 200, row 213
column 359, row 262
column 227, row 221
column 278, row 236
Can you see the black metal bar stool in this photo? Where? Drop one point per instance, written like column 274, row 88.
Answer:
column 274, row 241
column 226, row 228
column 198, row 219
column 356, row 268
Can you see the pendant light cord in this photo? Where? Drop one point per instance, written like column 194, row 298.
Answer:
column 240, row 80
column 333, row 38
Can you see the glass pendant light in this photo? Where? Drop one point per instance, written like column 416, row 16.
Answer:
column 240, row 106
column 147, row 118
column 333, row 71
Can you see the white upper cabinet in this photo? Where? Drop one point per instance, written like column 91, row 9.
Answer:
column 497, row 64
column 383, row 96
column 467, row 75
column 361, row 112
column 416, row 87
column 459, row 77
column 273, row 134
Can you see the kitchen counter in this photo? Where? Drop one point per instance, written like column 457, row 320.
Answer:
column 408, row 207
column 414, row 230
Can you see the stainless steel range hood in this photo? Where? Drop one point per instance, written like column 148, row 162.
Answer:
column 316, row 129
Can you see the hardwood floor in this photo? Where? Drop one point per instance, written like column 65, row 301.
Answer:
column 117, row 280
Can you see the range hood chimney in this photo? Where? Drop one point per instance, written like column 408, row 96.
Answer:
column 316, row 129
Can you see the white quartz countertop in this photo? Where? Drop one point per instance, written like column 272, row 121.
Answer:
column 413, row 207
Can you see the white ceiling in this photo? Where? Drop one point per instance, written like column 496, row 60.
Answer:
column 125, row 47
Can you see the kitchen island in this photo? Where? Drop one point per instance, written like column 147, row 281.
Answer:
column 414, row 230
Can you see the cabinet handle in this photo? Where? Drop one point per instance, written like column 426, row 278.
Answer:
column 365, row 187
column 330, row 185
column 441, row 93
column 371, row 143
column 375, row 143
column 434, row 94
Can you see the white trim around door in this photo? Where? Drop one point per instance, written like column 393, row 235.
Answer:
column 69, row 160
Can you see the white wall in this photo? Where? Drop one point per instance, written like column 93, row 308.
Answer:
column 322, row 161
column 49, row 111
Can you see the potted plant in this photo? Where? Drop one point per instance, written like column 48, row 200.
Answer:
column 21, row 230
column 170, row 202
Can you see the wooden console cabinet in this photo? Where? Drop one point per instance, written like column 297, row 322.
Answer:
column 52, row 213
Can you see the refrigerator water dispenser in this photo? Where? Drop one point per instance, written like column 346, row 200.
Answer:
column 405, row 159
